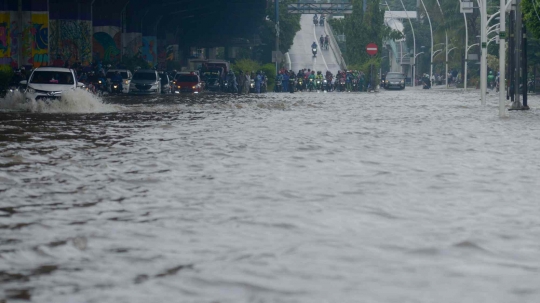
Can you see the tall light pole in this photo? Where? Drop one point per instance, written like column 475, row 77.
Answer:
column 276, row 4
column 466, row 65
column 502, row 58
column 483, row 41
column 446, row 43
column 431, row 49
column 414, row 43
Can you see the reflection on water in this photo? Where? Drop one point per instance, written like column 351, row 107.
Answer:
column 399, row 196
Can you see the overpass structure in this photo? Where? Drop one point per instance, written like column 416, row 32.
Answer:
column 35, row 32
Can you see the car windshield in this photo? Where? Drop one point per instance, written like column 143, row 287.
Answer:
column 145, row 76
column 52, row 77
column 186, row 78
column 123, row 74
column 394, row 76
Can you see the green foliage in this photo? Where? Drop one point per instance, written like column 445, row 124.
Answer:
column 361, row 29
column 289, row 24
column 246, row 65
column 6, row 74
column 531, row 11
column 270, row 72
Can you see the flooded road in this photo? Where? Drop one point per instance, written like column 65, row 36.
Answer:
column 414, row 196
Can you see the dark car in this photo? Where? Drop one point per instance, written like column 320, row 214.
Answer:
column 394, row 80
column 212, row 79
column 165, row 83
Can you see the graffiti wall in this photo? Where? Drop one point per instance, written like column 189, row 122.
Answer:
column 25, row 40
column 107, row 43
column 71, row 40
column 149, row 50
column 133, row 43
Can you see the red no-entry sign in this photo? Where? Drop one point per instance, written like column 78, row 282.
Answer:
column 372, row 49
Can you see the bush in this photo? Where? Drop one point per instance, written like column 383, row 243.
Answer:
column 270, row 72
column 246, row 65
column 6, row 74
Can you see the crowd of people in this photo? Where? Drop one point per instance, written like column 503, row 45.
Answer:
column 310, row 80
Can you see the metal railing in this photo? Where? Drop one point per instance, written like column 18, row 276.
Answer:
column 334, row 46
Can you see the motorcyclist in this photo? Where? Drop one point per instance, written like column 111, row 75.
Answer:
column 321, row 40
column 491, row 79
column 329, row 78
column 326, row 41
column 311, row 80
column 319, row 78
column 279, row 82
column 292, row 81
column 117, row 78
column 315, row 19
column 314, row 47
column 258, row 81
column 231, row 80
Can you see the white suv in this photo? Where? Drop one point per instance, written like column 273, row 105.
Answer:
column 145, row 81
column 48, row 83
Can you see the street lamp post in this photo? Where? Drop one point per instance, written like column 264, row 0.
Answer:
column 446, row 44
column 431, row 49
column 466, row 65
column 414, row 42
column 502, row 57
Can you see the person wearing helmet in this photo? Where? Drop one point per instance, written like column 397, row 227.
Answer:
column 491, row 80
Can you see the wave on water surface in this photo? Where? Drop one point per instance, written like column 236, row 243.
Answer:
column 72, row 101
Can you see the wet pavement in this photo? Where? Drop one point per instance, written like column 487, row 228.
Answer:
column 397, row 196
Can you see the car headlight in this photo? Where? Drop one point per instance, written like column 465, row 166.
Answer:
column 194, row 86
column 31, row 91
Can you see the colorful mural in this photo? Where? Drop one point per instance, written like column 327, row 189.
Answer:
column 133, row 43
column 71, row 40
column 5, row 40
column 31, row 39
column 149, row 50
column 107, row 43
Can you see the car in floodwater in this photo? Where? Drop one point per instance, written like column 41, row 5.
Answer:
column 394, row 80
column 188, row 83
column 48, row 83
column 145, row 81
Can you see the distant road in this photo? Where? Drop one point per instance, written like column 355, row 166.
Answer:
column 300, row 52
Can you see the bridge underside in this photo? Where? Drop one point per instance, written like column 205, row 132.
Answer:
column 320, row 8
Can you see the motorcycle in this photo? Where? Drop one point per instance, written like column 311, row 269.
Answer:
column 116, row 87
column 101, row 86
column 300, row 84
column 318, row 84
column 315, row 21
column 321, row 22
column 342, row 85
column 530, row 86
column 292, row 85
column 310, row 85
column 325, row 85
column 314, row 51
column 354, row 85
column 278, row 88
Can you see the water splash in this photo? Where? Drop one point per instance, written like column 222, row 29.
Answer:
column 72, row 101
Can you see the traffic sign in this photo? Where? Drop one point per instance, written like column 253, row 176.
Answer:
column 372, row 49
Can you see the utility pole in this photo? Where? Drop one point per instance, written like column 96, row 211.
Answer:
column 511, row 43
column 517, row 54
column 502, row 57
column 20, row 35
column 524, row 64
column 276, row 4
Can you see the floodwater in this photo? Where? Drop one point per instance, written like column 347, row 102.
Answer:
column 414, row 196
